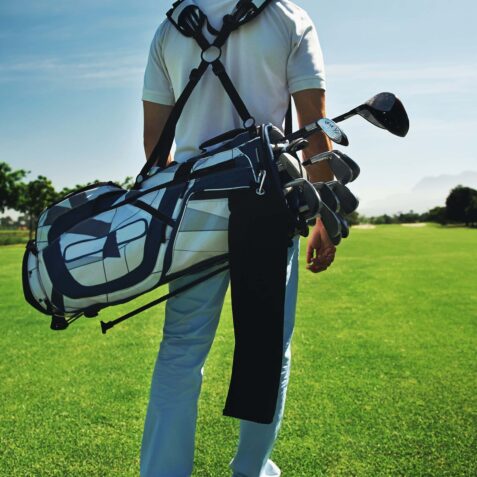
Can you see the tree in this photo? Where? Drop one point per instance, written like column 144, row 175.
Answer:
column 35, row 196
column 410, row 217
column 383, row 219
column 127, row 183
column 6, row 222
column 459, row 204
column 10, row 186
column 438, row 215
column 70, row 190
column 471, row 210
column 354, row 218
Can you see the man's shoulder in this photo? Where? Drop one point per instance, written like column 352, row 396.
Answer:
column 291, row 9
column 294, row 16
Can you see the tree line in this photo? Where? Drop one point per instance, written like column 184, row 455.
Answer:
column 460, row 208
column 30, row 198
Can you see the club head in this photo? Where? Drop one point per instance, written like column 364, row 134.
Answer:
column 353, row 167
column 297, row 145
column 387, row 112
column 349, row 203
column 331, row 222
column 344, row 231
column 333, row 131
column 328, row 196
column 291, row 165
column 344, row 227
column 309, row 200
column 343, row 167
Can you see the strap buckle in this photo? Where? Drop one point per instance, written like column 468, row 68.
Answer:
column 261, row 181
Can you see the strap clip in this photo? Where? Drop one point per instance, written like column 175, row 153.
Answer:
column 261, row 180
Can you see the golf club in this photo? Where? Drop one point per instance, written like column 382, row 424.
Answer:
column 331, row 222
column 355, row 169
column 349, row 203
column 291, row 165
column 310, row 202
column 297, row 145
column 328, row 196
column 342, row 166
column 326, row 125
column 344, row 227
column 384, row 111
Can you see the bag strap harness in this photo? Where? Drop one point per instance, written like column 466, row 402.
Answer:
column 190, row 21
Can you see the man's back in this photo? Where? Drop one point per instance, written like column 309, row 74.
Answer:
column 267, row 59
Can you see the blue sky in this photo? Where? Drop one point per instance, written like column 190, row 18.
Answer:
column 71, row 78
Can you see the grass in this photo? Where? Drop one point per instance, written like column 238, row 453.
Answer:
column 383, row 378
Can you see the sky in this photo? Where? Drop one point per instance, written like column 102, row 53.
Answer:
column 71, row 79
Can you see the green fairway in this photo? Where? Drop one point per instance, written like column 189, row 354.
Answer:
column 384, row 373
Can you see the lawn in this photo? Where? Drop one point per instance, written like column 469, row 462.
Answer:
column 384, row 378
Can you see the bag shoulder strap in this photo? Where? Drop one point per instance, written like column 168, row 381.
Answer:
column 189, row 20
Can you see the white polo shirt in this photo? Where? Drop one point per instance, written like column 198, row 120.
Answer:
column 275, row 55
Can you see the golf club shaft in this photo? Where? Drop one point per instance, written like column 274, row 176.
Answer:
column 343, row 117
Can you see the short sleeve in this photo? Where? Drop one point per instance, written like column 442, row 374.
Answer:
column 305, row 68
column 157, row 84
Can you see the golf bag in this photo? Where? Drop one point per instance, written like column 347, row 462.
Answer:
column 105, row 245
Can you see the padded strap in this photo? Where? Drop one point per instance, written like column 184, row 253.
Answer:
column 219, row 70
column 163, row 147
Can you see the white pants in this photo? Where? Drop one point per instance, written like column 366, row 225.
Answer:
column 190, row 325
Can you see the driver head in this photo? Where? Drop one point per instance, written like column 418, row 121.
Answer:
column 387, row 112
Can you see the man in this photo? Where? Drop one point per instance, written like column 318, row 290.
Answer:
column 273, row 56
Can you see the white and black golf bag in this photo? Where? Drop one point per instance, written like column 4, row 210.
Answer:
column 236, row 206
column 105, row 245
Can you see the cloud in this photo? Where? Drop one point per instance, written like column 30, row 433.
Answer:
column 81, row 71
column 418, row 79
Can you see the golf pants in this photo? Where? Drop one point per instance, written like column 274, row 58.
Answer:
column 190, row 325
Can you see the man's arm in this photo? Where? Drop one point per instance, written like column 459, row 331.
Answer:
column 311, row 106
column 155, row 118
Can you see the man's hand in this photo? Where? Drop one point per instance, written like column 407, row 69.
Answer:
column 320, row 251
